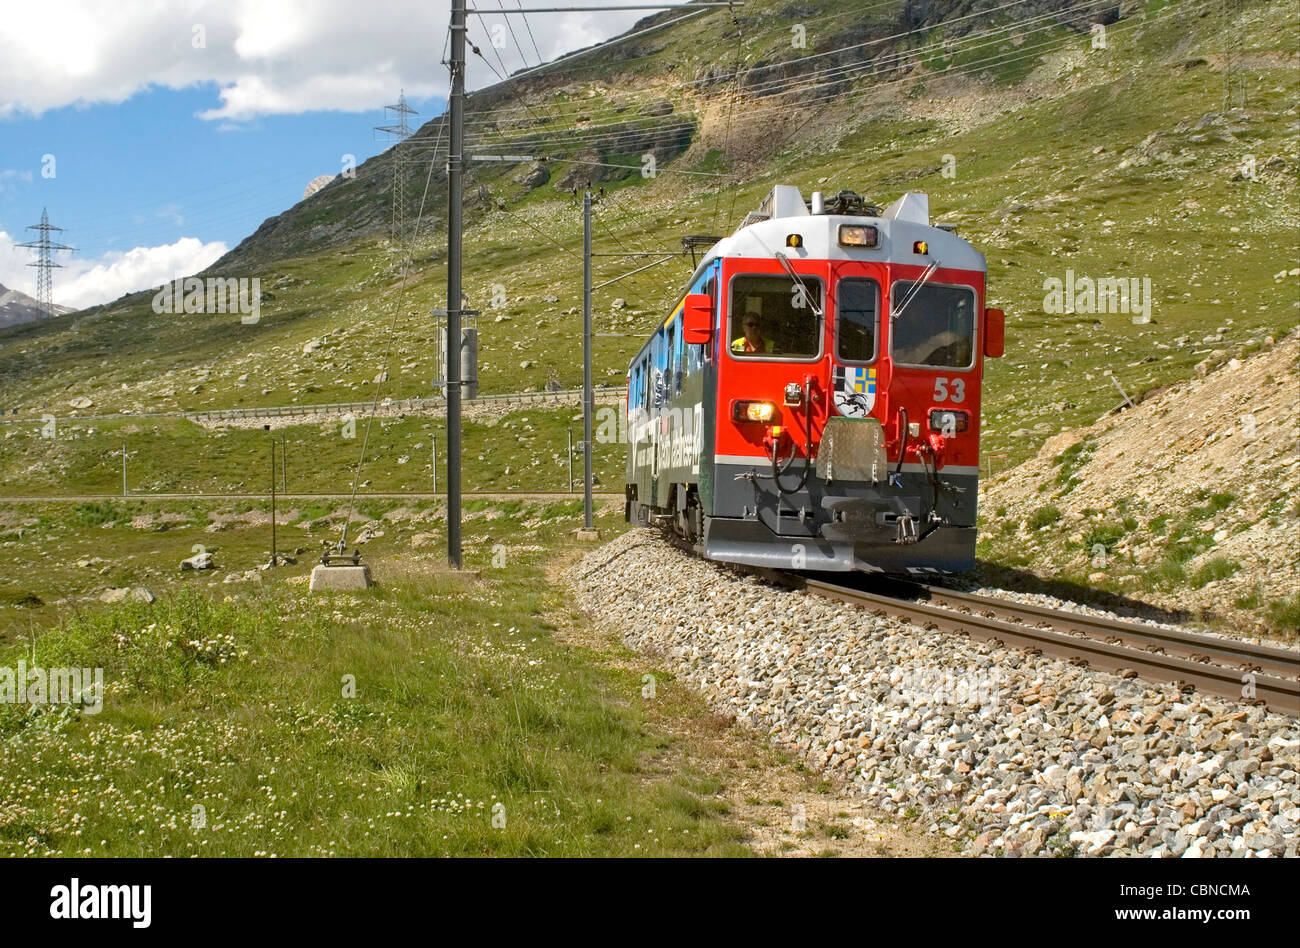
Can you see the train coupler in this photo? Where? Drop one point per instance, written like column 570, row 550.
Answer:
column 906, row 530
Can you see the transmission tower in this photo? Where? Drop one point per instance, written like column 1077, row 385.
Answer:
column 400, row 130
column 45, row 262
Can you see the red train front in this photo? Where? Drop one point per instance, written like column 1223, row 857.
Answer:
column 813, row 400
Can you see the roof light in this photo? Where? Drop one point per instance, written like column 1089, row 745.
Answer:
column 793, row 240
column 858, row 235
column 921, row 247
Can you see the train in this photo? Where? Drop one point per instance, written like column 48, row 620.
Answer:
column 812, row 400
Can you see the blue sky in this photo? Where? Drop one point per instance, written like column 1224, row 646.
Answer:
column 177, row 127
column 148, row 172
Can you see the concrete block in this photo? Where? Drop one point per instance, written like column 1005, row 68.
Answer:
column 588, row 534
column 339, row 578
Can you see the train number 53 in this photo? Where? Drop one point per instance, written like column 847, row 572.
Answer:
column 942, row 394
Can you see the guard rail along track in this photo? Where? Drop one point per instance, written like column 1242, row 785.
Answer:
column 523, row 399
column 1220, row 666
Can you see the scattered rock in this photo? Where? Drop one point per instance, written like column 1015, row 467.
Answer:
column 198, row 561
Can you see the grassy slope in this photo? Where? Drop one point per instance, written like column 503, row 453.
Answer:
column 180, row 456
column 235, row 702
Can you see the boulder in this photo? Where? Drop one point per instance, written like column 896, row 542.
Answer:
column 198, row 561
column 536, row 176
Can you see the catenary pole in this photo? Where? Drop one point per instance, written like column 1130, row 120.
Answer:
column 455, row 186
column 587, row 407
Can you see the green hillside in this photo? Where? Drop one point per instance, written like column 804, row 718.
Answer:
column 1171, row 154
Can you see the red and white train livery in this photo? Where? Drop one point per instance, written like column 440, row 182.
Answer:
column 813, row 399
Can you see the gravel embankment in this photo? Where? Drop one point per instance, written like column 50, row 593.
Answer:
column 1001, row 751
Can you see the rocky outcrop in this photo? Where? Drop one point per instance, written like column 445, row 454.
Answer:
column 1190, row 495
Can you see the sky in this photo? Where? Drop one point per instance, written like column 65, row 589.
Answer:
column 160, row 133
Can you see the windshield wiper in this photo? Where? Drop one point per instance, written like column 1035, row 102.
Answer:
column 916, row 288
column 807, row 294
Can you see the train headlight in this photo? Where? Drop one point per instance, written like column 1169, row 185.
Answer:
column 753, row 411
column 948, row 422
column 857, row 235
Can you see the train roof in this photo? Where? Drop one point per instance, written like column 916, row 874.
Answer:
column 899, row 226
column 784, row 211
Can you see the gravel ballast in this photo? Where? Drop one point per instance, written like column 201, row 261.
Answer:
column 1001, row 751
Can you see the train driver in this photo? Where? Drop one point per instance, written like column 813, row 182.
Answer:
column 752, row 340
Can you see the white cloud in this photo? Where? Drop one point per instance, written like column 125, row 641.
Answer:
column 81, row 283
column 265, row 56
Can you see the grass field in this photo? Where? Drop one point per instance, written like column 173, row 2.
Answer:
column 251, row 719
column 522, row 450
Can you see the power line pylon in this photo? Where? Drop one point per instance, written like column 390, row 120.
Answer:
column 400, row 130
column 45, row 262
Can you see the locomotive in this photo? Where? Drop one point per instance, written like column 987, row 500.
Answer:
column 812, row 401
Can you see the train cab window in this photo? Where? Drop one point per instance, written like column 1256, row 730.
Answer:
column 695, row 357
column 772, row 317
column 670, row 361
column 701, row 353
column 857, row 316
column 656, row 391
column 935, row 327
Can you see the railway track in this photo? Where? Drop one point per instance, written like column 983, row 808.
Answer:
column 1230, row 669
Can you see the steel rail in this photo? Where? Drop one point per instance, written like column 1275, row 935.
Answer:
column 1278, row 694
column 1230, row 652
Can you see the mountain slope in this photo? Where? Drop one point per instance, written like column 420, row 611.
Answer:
column 657, row 94
column 1120, row 162
column 17, row 308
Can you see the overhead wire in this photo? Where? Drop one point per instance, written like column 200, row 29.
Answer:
column 579, row 161
column 731, row 102
column 844, row 72
column 761, row 108
column 386, row 362
column 523, row 14
column 785, row 63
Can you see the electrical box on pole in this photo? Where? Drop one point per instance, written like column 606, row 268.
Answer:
column 468, row 352
column 469, row 361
